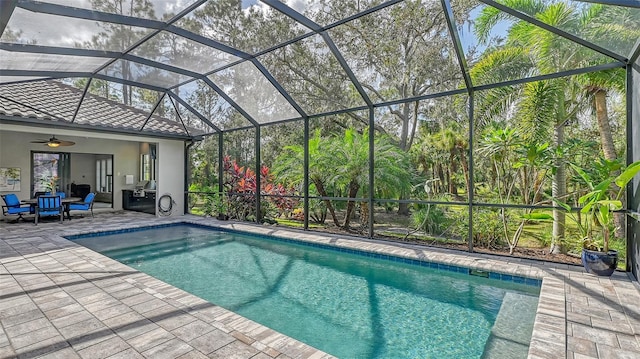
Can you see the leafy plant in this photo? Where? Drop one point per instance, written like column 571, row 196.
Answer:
column 520, row 168
column 595, row 221
column 318, row 211
column 488, row 227
column 240, row 185
column 50, row 183
column 430, row 218
column 219, row 202
column 601, row 202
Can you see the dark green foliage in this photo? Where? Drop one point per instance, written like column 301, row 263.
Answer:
column 488, row 228
column 430, row 219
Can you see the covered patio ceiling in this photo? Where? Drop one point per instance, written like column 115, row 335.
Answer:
column 189, row 68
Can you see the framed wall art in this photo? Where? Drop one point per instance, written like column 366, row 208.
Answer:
column 9, row 179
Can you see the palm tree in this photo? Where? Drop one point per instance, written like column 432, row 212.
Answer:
column 454, row 145
column 617, row 27
column 288, row 168
column 528, row 51
column 598, row 86
column 350, row 156
column 342, row 163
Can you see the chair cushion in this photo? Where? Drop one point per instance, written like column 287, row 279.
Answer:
column 16, row 210
column 12, row 200
column 89, row 198
column 79, row 206
column 50, row 213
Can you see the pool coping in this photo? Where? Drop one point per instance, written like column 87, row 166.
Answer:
column 578, row 315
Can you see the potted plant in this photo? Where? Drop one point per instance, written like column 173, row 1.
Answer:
column 599, row 206
column 50, row 183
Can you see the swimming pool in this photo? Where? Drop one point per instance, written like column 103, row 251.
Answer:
column 346, row 304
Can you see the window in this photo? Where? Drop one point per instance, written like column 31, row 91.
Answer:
column 104, row 175
column 148, row 164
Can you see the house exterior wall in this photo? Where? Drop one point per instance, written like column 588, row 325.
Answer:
column 171, row 174
column 82, row 171
column 16, row 147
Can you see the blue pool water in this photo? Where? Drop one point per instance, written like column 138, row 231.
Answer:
column 347, row 305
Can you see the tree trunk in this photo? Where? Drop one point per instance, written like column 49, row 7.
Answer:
column 364, row 214
column 353, row 191
column 442, row 179
column 465, row 170
column 524, row 187
column 126, row 74
column 604, row 127
column 608, row 148
column 160, row 110
column 403, row 208
column 453, row 189
column 405, row 145
column 536, row 188
column 323, row 193
column 559, row 191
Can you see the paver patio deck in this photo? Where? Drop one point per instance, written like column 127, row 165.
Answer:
column 61, row 300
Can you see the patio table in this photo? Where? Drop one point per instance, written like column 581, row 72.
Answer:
column 65, row 203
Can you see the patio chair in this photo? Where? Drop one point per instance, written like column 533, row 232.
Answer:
column 49, row 206
column 14, row 207
column 86, row 205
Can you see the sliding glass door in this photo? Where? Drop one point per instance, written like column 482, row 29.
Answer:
column 49, row 171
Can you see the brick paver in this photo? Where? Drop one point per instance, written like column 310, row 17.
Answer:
column 61, row 300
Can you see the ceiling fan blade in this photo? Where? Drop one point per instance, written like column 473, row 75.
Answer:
column 54, row 142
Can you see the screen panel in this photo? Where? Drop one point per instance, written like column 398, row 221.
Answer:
column 312, row 76
column 26, row 27
column 401, row 51
column 133, row 71
column 250, row 26
column 178, row 51
column 199, row 95
column 251, row 90
column 634, row 195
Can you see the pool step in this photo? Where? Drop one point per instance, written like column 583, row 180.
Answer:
column 511, row 333
column 162, row 249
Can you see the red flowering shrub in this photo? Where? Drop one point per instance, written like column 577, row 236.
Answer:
column 240, row 189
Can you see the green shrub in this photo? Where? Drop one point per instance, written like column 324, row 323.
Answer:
column 318, row 211
column 430, row 218
column 487, row 228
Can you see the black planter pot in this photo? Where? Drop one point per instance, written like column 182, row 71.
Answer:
column 222, row 217
column 600, row 263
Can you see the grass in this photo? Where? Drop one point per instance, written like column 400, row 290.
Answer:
column 298, row 224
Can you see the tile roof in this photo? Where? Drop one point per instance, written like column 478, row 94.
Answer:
column 53, row 101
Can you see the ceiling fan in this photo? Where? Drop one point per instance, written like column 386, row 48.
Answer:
column 54, row 142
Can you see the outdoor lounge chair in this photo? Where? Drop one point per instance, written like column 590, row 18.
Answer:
column 87, row 205
column 13, row 207
column 49, row 206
